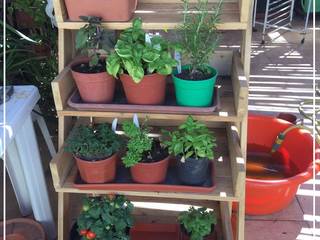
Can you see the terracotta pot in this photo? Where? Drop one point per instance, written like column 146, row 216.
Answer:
column 150, row 172
column 101, row 171
column 22, row 229
column 95, row 87
column 14, row 236
column 150, row 91
column 108, row 10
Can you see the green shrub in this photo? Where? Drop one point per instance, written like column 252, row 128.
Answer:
column 138, row 144
column 93, row 142
column 134, row 55
column 197, row 222
column 199, row 36
column 92, row 37
column 192, row 139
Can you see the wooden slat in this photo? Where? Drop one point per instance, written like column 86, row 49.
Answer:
column 61, row 166
column 59, row 10
column 240, row 85
column 162, row 15
column 238, row 168
column 62, row 87
column 63, row 216
column 226, row 220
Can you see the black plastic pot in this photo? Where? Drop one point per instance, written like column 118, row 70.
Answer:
column 193, row 171
column 74, row 235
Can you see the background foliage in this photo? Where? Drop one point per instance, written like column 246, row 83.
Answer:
column 32, row 61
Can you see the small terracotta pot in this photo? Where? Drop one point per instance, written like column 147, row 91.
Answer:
column 95, row 87
column 150, row 172
column 22, row 229
column 101, row 171
column 150, row 91
column 108, row 10
column 14, row 236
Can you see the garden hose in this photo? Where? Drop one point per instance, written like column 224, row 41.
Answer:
column 280, row 138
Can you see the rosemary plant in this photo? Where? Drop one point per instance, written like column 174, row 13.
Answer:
column 199, row 36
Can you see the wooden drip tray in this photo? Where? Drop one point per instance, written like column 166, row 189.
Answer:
column 120, row 104
column 123, row 182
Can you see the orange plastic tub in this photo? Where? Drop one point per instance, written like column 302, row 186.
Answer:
column 273, row 179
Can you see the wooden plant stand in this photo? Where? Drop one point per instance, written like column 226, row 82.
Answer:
column 230, row 172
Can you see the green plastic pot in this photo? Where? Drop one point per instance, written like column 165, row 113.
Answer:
column 194, row 93
column 305, row 4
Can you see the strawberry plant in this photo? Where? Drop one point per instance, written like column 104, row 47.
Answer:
column 103, row 218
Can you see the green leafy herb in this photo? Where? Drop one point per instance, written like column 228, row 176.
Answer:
column 199, row 36
column 107, row 218
column 136, row 56
column 192, row 139
column 197, row 222
column 93, row 142
column 92, row 37
column 139, row 143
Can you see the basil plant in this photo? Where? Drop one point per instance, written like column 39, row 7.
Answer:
column 137, row 54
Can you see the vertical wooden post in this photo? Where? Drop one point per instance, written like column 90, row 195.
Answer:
column 66, row 51
column 63, row 216
column 64, row 126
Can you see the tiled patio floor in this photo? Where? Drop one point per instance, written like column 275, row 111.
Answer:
column 280, row 79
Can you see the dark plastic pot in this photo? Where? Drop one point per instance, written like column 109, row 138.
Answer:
column 150, row 172
column 197, row 93
column 193, row 171
column 101, row 171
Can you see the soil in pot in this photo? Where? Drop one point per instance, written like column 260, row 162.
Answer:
column 153, row 167
column 194, row 89
column 150, row 91
column 196, row 76
column 94, row 84
column 193, row 171
column 97, row 171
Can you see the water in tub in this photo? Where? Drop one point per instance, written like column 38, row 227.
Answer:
column 262, row 164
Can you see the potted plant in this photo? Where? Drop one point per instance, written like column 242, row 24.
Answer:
column 197, row 223
column 94, row 84
column 108, row 10
column 142, row 63
column 193, row 145
column 103, row 218
column 95, row 149
column 194, row 85
column 147, row 159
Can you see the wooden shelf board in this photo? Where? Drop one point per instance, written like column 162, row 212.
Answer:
column 223, row 178
column 227, row 112
column 164, row 16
